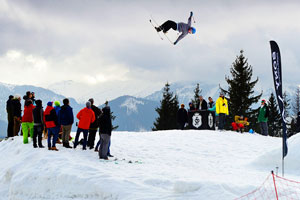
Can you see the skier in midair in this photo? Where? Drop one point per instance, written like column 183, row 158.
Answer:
column 181, row 27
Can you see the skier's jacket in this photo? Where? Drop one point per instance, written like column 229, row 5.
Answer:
column 38, row 116
column 50, row 117
column 183, row 28
column 97, row 112
column 86, row 116
column 238, row 120
column 203, row 105
column 57, row 110
column 66, row 115
column 182, row 116
column 105, row 121
column 16, row 108
column 263, row 114
column 28, row 116
column 222, row 106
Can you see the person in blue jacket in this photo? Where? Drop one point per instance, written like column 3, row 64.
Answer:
column 66, row 121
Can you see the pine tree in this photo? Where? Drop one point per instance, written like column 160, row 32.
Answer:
column 167, row 112
column 197, row 93
column 240, row 91
column 274, row 119
column 296, row 103
column 113, row 117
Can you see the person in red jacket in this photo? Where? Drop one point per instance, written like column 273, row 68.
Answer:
column 27, row 120
column 50, row 119
column 86, row 116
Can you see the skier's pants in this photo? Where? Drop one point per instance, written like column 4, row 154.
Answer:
column 91, row 139
column 222, row 121
column 167, row 25
column 37, row 132
column 85, row 135
column 66, row 130
column 27, row 127
column 263, row 128
column 103, row 151
column 52, row 132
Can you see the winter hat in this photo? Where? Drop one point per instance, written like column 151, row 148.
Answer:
column 221, row 93
column 193, row 30
column 263, row 100
column 50, row 103
column 88, row 104
column 56, row 103
column 38, row 103
column 17, row 96
column 182, row 105
column 190, row 103
column 91, row 100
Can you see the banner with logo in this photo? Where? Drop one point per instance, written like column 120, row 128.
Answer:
column 277, row 76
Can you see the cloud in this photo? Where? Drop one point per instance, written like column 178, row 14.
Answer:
column 99, row 42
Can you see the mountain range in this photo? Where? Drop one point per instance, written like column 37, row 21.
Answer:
column 132, row 113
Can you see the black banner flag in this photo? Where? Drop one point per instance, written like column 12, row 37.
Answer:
column 277, row 76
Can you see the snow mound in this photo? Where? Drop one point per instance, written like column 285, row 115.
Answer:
column 272, row 158
column 151, row 165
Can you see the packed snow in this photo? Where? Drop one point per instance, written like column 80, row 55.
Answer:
column 151, row 165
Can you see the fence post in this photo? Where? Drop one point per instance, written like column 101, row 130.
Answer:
column 274, row 184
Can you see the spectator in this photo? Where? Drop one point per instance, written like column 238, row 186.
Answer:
column 27, row 96
column 263, row 115
column 66, row 120
column 105, row 133
column 298, row 122
column 10, row 116
column 191, row 107
column 94, row 126
column 222, row 110
column 239, row 123
column 182, row 117
column 16, row 102
column 50, row 119
column 211, row 103
column 57, row 109
column 38, row 126
column 86, row 116
column 202, row 104
column 27, row 120
column 33, row 98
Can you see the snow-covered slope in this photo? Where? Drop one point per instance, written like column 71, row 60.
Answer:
column 171, row 165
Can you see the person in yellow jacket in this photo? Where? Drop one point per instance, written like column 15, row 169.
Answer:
column 222, row 110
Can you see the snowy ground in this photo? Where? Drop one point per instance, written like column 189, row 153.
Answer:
column 172, row 165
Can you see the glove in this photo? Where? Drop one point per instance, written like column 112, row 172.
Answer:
column 191, row 13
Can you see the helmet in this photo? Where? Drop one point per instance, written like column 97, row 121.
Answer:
column 193, row 30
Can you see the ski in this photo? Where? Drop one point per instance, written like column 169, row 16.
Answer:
column 156, row 30
column 152, row 19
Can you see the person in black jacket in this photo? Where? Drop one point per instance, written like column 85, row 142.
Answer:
column 202, row 104
column 16, row 103
column 94, row 126
column 182, row 117
column 105, row 132
column 38, row 126
column 66, row 120
column 298, row 122
column 10, row 116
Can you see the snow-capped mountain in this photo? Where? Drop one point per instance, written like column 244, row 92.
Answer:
column 133, row 114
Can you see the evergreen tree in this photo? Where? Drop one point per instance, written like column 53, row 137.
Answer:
column 296, row 104
column 113, row 117
column 240, row 91
column 167, row 112
column 197, row 93
column 274, row 119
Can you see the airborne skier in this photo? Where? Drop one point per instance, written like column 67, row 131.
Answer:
column 181, row 27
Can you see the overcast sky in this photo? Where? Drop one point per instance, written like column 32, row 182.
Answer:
column 112, row 43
